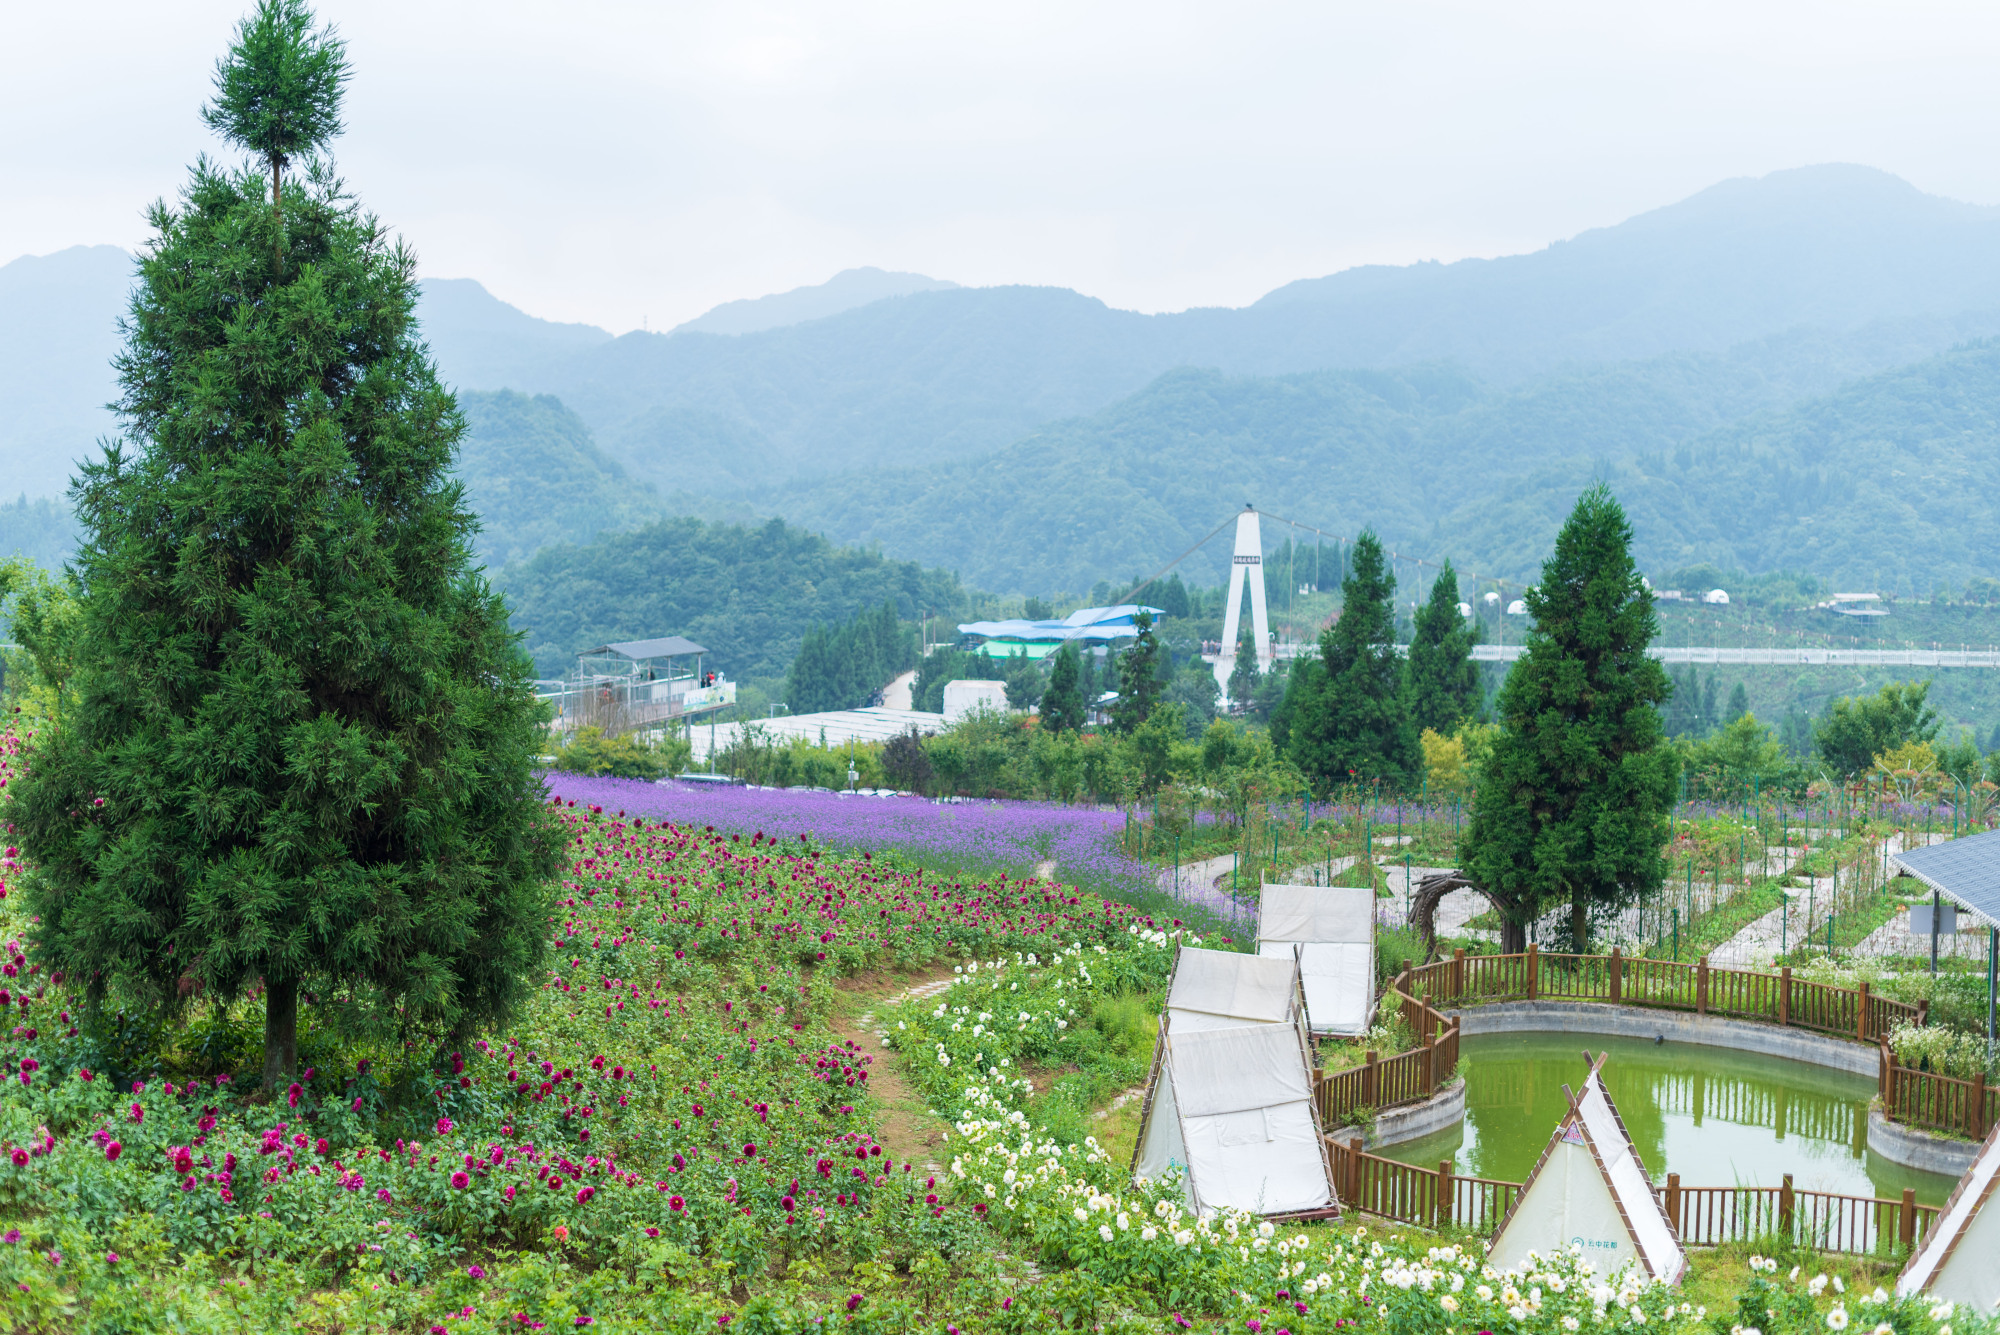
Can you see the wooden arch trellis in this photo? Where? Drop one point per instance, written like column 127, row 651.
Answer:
column 1430, row 892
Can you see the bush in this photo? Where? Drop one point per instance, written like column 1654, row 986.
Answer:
column 623, row 757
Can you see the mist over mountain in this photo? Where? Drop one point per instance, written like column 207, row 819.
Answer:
column 58, row 333
column 481, row 342
column 843, row 292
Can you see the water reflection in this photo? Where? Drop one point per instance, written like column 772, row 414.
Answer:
column 1717, row 1117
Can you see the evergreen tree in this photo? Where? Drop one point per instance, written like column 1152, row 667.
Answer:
column 1359, row 726
column 1138, row 677
column 1243, row 673
column 1062, row 700
column 1444, row 681
column 297, row 743
column 843, row 667
column 1573, row 802
column 1024, row 681
column 1739, row 703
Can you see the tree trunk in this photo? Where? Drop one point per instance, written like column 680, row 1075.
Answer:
column 1579, row 925
column 1513, row 936
column 281, row 1032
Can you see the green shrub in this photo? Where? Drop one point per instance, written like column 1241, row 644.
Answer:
column 623, row 757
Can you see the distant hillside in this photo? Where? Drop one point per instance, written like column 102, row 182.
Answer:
column 843, row 292
column 749, row 594
column 41, row 530
column 481, row 342
column 534, row 477
column 58, row 332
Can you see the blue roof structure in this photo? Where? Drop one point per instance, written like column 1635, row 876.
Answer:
column 1966, row 871
column 1086, row 623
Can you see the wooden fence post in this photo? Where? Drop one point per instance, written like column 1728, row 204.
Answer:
column 1786, row 1202
column 1370, row 1089
column 1430, row 1065
column 1458, row 974
column 1446, row 1204
column 1861, row 1014
column 1885, row 1080
column 1923, row 1012
column 1785, row 995
column 1906, row 1218
column 1701, row 986
column 1674, row 1201
column 1975, row 1107
column 1617, row 976
column 1533, row 960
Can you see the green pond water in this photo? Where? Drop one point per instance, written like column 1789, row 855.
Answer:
column 1718, row 1118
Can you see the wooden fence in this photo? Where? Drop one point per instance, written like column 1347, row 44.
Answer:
column 1407, row 1077
column 1701, row 1216
column 1937, row 1102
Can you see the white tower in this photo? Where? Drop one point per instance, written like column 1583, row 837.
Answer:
column 1248, row 564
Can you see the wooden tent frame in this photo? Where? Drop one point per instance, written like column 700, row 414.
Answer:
column 1987, row 1194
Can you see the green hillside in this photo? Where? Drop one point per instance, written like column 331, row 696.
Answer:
column 748, row 594
column 533, row 476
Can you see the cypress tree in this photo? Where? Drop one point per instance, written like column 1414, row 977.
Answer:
column 1062, row 699
column 1138, row 677
column 1444, row 682
column 298, row 739
column 1573, row 803
column 1243, row 672
column 1358, row 723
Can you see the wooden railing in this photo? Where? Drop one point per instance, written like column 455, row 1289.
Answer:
column 1776, row 998
column 1937, row 1102
column 1701, row 1216
column 1407, row 1077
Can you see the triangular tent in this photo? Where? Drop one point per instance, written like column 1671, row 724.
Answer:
column 1220, row 989
column 1234, row 1109
column 1590, row 1189
column 1959, row 1259
column 1331, row 930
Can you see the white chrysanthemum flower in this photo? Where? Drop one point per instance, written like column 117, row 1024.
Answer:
column 1448, row 1303
column 1148, row 1233
column 1104, row 1231
column 1837, row 1318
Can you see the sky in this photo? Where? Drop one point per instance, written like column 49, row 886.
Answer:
column 632, row 165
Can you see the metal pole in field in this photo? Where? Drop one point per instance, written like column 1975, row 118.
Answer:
column 1992, row 976
column 1936, row 902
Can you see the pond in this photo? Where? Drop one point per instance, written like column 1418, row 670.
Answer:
column 1718, row 1117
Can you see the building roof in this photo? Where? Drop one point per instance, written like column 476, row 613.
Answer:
column 1966, row 871
column 1086, row 623
column 838, row 726
column 666, row 646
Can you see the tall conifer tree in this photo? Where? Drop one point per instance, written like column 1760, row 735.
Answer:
column 1062, row 701
column 1573, row 803
column 298, row 739
column 1139, row 680
column 1444, row 683
column 1353, row 720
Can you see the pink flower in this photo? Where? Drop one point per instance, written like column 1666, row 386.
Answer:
column 138, row 1113
column 476, row 1272
column 113, row 1150
column 460, row 1180
column 20, row 1158
column 585, row 1193
column 292, row 1094
column 444, row 1125
column 676, row 1204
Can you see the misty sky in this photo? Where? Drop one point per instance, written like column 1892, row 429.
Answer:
column 615, row 163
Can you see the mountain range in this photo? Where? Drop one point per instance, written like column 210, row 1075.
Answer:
column 1772, row 372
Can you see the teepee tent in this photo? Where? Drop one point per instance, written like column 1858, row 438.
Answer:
column 1221, row 989
column 1331, row 930
column 1233, row 1109
column 1957, row 1258
column 1589, row 1188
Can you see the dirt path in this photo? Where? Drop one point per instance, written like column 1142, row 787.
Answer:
column 909, row 1129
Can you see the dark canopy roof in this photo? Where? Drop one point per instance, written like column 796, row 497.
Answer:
column 1965, row 870
column 667, row 646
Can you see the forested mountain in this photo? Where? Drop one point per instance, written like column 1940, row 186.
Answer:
column 749, row 594
column 481, row 342
column 843, row 292
column 1892, row 475
column 534, row 477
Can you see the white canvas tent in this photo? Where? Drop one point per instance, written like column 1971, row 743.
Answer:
column 1233, row 1108
column 1331, row 931
column 1957, row 1258
column 1221, row 989
column 1590, row 1188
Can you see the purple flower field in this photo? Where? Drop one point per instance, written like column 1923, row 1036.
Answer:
column 1018, row 836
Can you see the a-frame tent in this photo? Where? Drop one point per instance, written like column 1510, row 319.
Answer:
column 1330, row 929
column 1221, row 989
column 1959, row 1259
column 1229, row 1099
column 1589, row 1187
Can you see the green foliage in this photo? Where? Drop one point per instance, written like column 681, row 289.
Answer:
column 1243, row 674
column 43, row 615
column 624, row 756
column 277, row 92
column 1444, row 683
column 749, row 594
column 535, row 478
column 1741, row 758
column 1574, row 802
column 1024, row 681
column 841, row 667
column 1194, row 690
column 947, row 665
column 1063, row 704
column 1856, row 730
column 1356, row 722
column 298, row 737
column 1692, row 709
column 39, row 530
column 1139, row 672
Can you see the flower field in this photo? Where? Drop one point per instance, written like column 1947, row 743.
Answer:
column 672, row 1135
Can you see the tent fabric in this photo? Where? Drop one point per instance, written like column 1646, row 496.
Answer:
column 1333, row 930
column 1220, row 1071
column 1590, row 1185
column 1955, row 1261
column 1222, row 985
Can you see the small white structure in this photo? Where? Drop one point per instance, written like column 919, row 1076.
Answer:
column 1719, row 597
column 1517, row 608
column 965, row 697
column 1330, row 929
column 1246, row 565
column 1589, row 1189
column 1957, row 1258
column 1229, row 1101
